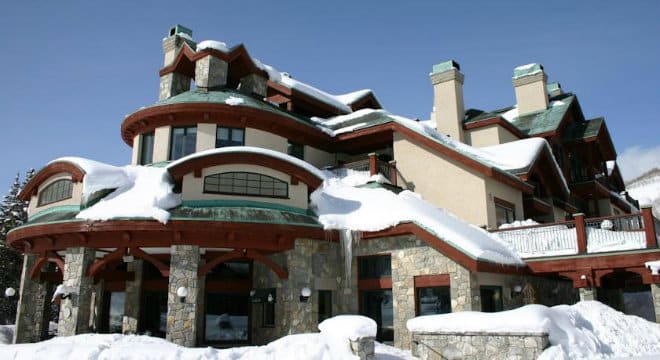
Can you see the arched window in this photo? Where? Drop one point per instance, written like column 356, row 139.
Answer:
column 245, row 183
column 56, row 191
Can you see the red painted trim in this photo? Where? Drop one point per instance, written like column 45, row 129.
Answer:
column 243, row 254
column 99, row 264
column 162, row 267
column 375, row 284
column 431, row 280
column 649, row 228
column 47, row 172
column 238, row 157
column 581, row 231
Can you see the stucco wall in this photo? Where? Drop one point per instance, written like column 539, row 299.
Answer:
column 135, row 151
column 193, row 187
column 266, row 140
column 205, row 137
column 319, row 158
column 161, row 143
column 442, row 181
column 75, row 199
column 532, row 96
column 488, row 136
column 497, row 189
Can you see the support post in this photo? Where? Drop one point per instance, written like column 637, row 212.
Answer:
column 393, row 174
column 649, row 227
column 31, row 322
column 75, row 310
column 373, row 164
column 580, row 229
column 182, row 312
column 132, row 303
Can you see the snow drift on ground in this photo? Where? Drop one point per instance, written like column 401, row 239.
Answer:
column 140, row 191
column 341, row 206
column 586, row 330
column 331, row 343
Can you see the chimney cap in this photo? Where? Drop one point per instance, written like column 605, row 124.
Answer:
column 554, row 88
column 526, row 70
column 445, row 66
column 180, row 29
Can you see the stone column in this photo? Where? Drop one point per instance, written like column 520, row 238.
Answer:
column 132, row 305
column 463, row 289
column 32, row 303
column 254, row 84
column 182, row 316
column 210, row 72
column 299, row 264
column 587, row 294
column 75, row 311
column 173, row 84
column 97, row 304
column 655, row 292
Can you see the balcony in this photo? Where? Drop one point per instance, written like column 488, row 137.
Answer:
column 584, row 236
column 372, row 166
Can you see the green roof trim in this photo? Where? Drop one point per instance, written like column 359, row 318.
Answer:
column 222, row 95
column 525, row 70
column 553, row 86
column 584, row 130
column 244, row 203
column 49, row 213
column 243, row 214
column 177, row 29
column 445, row 66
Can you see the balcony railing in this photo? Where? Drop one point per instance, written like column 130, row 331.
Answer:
column 581, row 236
column 372, row 166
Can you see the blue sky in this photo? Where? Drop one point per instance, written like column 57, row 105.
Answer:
column 73, row 70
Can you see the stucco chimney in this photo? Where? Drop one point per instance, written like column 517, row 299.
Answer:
column 448, row 109
column 174, row 83
column 529, row 83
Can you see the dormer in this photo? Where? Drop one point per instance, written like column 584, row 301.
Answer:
column 56, row 185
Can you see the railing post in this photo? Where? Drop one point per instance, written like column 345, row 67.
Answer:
column 393, row 174
column 373, row 164
column 581, row 231
column 649, row 226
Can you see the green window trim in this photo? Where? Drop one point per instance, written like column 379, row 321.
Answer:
column 244, row 183
column 56, row 191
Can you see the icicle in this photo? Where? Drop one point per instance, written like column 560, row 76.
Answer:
column 347, row 238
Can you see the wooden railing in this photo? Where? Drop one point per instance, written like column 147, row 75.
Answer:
column 582, row 236
column 372, row 164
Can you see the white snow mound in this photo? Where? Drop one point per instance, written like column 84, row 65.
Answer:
column 352, row 327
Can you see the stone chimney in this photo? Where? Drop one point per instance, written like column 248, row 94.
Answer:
column 529, row 82
column 173, row 83
column 448, row 109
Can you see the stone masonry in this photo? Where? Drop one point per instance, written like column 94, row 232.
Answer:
column 132, row 304
column 76, row 311
column 587, row 294
column 182, row 316
column 30, row 321
column 410, row 258
column 655, row 292
column 479, row 345
column 364, row 348
column 210, row 72
column 254, row 84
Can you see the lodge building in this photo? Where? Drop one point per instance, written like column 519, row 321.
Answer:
column 242, row 257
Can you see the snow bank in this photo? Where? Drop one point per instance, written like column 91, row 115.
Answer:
column 233, row 101
column 343, row 207
column 586, row 330
column 332, row 343
column 352, row 327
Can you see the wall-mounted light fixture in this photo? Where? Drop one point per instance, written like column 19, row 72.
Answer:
column 583, row 277
column 516, row 290
column 10, row 292
column 62, row 292
column 127, row 258
column 305, row 293
column 182, row 292
column 270, row 298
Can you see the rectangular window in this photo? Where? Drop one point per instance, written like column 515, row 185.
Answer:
column 491, row 298
column 146, row 148
column 268, row 319
column 225, row 136
column 182, row 141
column 296, row 150
column 505, row 212
column 226, row 317
column 245, row 183
column 432, row 300
column 377, row 304
column 154, row 316
column 374, row 267
column 325, row 305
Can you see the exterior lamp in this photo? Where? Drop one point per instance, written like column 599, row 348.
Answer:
column 517, row 289
column 182, row 292
column 62, row 292
column 127, row 258
column 10, row 292
column 305, row 293
column 253, row 292
column 270, row 298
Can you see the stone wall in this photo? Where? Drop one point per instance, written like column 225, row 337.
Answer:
column 364, row 348
column 587, row 294
column 31, row 322
column 479, row 345
column 76, row 311
column 129, row 323
column 655, row 292
column 182, row 317
column 550, row 292
column 410, row 258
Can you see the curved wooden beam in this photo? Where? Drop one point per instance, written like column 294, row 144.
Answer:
column 99, row 264
column 48, row 256
column 48, row 171
column 36, row 267
column 57, row 259
column 161, row 266
column 281, row 272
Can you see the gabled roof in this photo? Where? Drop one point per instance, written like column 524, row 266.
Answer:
column 530, row 124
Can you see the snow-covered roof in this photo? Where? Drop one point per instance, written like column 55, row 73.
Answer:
column 350, row 98
column 252, row 150
column 341, row 206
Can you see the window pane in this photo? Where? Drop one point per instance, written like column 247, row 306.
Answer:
column 146, row 148
column 117, row 300
column 182, row 142
column 56, row 191
column 374, row 267
column 226, row 317
column 325, row 305
column 433, row 300
column 237, row 136
column 243, row 183
column 377, row 305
